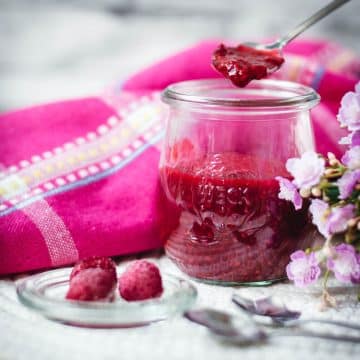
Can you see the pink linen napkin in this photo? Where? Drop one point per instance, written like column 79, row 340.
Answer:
column 80, row 178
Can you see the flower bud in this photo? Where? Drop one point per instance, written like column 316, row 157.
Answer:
column 305, row 193
column 333, row 161
column 352, row 222
column 332, row 173
column 331, row 156
column 327, row 251
column 316, row 192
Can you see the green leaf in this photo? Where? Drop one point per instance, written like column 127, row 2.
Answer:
column 332, row 193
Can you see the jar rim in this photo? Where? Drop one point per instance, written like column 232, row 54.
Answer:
column 273, row 93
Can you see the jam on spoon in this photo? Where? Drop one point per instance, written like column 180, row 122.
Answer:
column 252, row 61
column 242, row 63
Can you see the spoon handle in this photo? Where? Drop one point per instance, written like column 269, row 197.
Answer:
column 310, row 21
column 337, row 323
column 319, row 335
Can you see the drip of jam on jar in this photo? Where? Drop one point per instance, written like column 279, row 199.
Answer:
column 242, row 63
column 233, row 226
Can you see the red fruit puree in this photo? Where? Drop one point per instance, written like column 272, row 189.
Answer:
column 233, row 227
column 242, row 64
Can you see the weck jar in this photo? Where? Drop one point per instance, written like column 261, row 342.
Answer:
column 223, row 148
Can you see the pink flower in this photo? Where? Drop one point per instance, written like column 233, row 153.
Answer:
column 328, row 220
column 347, row 183
column 338, row 218
column 349, row 113
column 303, row 269
column 352, row 139
column 355, row 138
column 288, row 191
column 352, row 158
column 307, row 170
column 320, row 210
column 355, row 275
column 345, row 263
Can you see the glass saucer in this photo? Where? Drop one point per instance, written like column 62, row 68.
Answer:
column 45, row 293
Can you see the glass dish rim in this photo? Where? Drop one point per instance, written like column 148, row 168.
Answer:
column 180, row 92
column 30, row 296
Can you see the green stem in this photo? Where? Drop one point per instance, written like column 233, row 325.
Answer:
column 326, row 278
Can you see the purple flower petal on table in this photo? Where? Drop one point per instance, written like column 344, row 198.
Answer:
column 345, row 263
column 288, row 191
column 349, row 112
column 319, row 210
column 303, row 269
column 338, row 218
column 347, row 183
column 352, row 158
column 306, row 170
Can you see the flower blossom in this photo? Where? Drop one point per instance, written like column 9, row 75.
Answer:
column 288, row 191
column 352, row 139
column 303, row 269
column 307, row 170
column 338, row 218
column 352, row 158
column 355, row 138
column 345, row 263
column 319, row 210
column 349, row 113
column 355, row 274
column 347, row 183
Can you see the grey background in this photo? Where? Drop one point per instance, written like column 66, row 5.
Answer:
column 52, row 49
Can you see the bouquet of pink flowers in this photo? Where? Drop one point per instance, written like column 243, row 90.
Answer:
column 333, row 188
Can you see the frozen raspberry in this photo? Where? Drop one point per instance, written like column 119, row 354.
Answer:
column 92, row 284
column 140, row 281
column 94, row 262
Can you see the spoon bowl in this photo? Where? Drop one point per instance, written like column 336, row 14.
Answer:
column 266, row 307
column 227, row 327
column 280, row 315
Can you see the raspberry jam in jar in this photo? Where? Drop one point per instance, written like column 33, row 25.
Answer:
column 223, row 148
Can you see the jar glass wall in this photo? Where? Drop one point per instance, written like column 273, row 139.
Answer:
column 223, row 148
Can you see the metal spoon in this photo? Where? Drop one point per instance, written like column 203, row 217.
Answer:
column 284, row 40
column 281, row 315
column 233, row 329
column 226, row 326
column 250, row 61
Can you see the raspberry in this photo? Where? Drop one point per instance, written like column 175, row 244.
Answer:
column 92, row 284
column 140, row 281
column 99, row 262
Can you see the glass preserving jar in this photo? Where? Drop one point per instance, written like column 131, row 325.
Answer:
column 223, row 148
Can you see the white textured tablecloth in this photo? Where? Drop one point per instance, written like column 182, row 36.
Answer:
column 26, row 335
